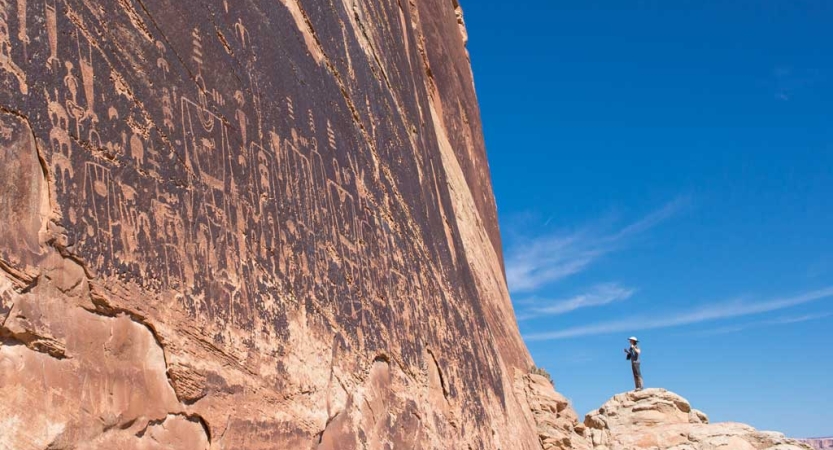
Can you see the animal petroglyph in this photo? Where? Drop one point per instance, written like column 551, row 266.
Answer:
column 261, row 206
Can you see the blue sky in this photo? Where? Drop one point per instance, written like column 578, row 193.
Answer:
column 665, row 169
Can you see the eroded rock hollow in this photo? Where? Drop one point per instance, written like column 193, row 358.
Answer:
column 246, row 225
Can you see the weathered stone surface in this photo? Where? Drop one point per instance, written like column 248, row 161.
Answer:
column 250, row 224
column 819, row 443
column 557, row 423
column 265, row 224
column 661, row 420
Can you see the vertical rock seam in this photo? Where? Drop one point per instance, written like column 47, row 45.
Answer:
column 252, row 224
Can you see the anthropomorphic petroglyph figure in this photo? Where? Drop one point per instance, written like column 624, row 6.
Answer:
column 52, row 63
column 22, row 32
column 242, row 120
column 85, row 62
column 153, row 159
column 242, row 33
column 127, row 225
column 268, row 246
column 75, row 110
column 137, row 150
column 71, row 82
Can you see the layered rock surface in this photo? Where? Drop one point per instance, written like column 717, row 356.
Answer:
column 556, row 422
column 819, row 443
column 246, row 225
column 259, row 224
column 657, row 419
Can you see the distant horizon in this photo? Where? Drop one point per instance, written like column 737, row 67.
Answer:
column 666, row 171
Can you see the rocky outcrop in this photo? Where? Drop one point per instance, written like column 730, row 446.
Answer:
column 661, row 420
column 556, row 421
column 819, row 443
column 250, row 224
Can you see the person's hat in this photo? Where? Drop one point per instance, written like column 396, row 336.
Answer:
column 633, row 338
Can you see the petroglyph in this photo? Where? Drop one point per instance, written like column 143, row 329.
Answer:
column 52, row 32
column 22, row 33
column 242, row 33
column 262, row 205
column 88, row 79
column 161, row 62
column 6, row 62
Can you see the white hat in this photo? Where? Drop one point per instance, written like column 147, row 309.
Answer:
column 633, row 338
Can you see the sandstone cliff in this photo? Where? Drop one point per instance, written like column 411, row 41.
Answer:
column 246, row 225
column 266, row 224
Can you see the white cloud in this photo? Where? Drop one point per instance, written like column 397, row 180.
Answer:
column 653, row 219
column 599, row 295
column 797, row 319
column 548, row 259
column 788, row 320
column 723, row 330
column 543, row 260
column 714, row 312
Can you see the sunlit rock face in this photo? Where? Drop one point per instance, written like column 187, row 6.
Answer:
column 249, row 225
column 662, row 420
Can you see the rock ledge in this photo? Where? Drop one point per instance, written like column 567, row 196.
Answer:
column 658, row 419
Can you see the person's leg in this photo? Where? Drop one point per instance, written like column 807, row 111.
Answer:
column 637, row 376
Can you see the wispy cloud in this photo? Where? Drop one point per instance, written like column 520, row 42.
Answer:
column 788, row 320
column 789, row 81
column 713, row 312
column 722, row 330
column 599, row 295
column 542, row 260
column 797, row 319
column 653, row 219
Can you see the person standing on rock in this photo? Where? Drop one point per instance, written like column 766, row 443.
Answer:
column 633, row 356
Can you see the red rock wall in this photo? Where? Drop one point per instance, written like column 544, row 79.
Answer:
column 249, row 225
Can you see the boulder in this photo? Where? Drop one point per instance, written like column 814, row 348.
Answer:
column 657, row 419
